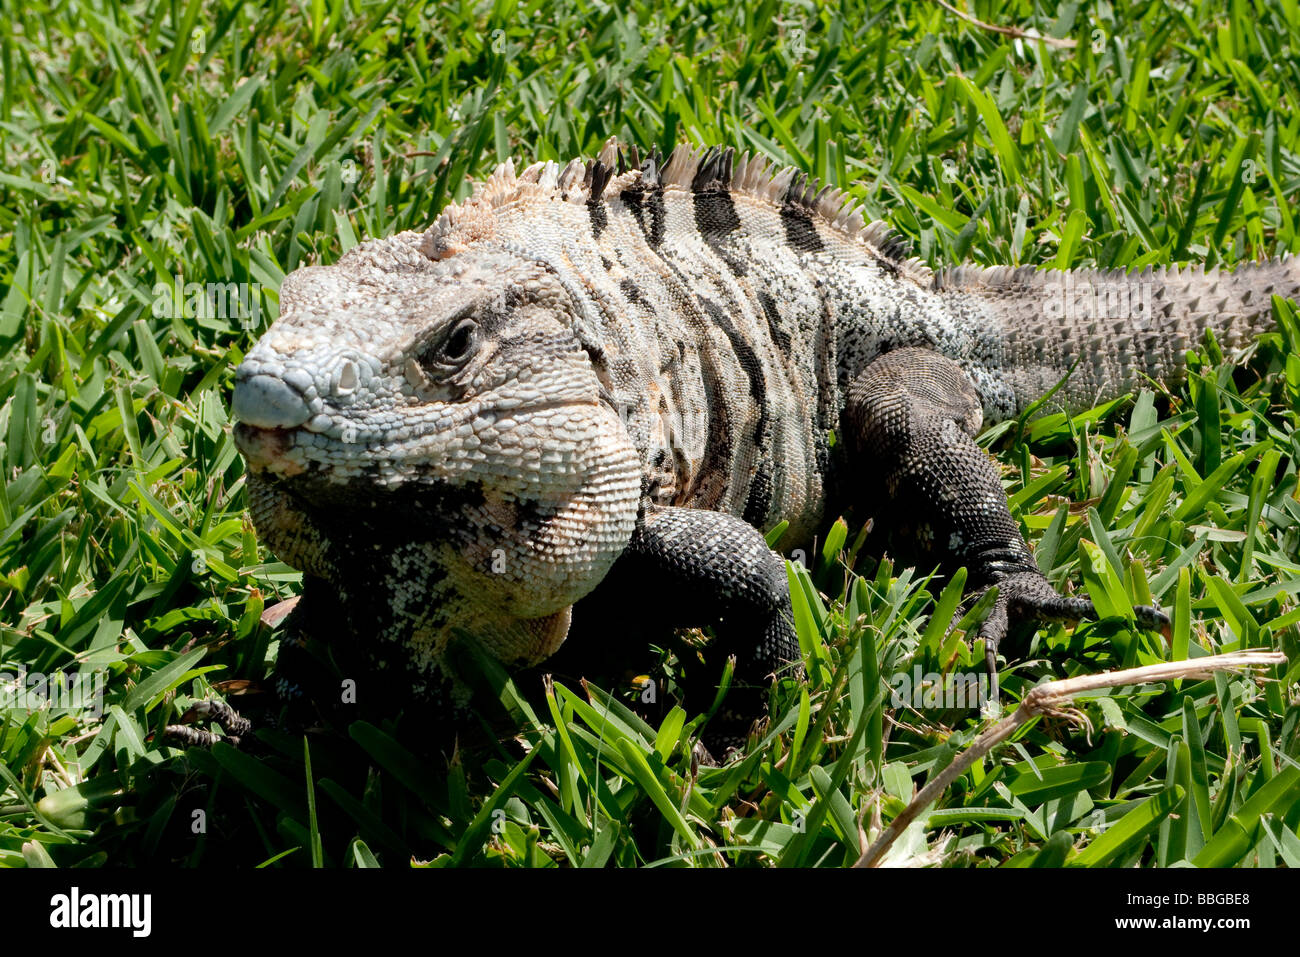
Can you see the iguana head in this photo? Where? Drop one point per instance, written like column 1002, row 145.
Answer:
column 437, row 431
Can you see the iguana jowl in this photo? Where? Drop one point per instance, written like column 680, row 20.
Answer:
column 622, row 365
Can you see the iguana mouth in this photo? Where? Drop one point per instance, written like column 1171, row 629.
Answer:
column 285, row 451
column 266, row 450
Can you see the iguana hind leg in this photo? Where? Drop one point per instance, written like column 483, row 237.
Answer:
column 912, row 416
column 693, row 568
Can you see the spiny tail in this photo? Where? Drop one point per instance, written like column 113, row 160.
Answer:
column 1122, row 328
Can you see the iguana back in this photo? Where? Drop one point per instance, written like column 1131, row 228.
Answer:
column 728, row 304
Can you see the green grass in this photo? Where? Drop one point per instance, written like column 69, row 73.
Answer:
column 233, row 142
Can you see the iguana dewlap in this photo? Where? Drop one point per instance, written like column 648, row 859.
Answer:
column 644, row 364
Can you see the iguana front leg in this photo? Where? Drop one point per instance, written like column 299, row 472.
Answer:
column 912, row 416
column 695, row 567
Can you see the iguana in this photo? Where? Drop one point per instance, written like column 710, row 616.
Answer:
column 628, row 368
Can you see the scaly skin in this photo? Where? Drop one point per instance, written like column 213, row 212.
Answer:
column 467, row 428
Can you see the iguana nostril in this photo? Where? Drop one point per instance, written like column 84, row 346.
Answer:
column 268, row 402
column 347, row 378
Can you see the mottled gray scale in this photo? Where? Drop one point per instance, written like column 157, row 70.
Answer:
column 758, row 504
column 800, row 232
column 634, row 295
column 715, row 218
column 761, row 416
column 712, row 481
column 754, row 369
column 774, row 320
column 599, row 218
column 1047, row 319
column 648, row 208
column 728, row 458
column 802, row 398
column 865, row 306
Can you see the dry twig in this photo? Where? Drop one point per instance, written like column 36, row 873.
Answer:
column 1017, row 32
column 1050, row 698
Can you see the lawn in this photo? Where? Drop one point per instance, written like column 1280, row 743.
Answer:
column 145, row 147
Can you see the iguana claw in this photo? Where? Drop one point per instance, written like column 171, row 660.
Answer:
column 1029, row 597
column 230, row 721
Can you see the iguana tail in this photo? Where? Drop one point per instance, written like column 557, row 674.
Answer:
column 1123, row 329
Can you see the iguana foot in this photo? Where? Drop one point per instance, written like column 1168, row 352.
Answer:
column 702, row 757
column 230, row 721
column 914, row 415
column 728, row 747
column 1029, row 598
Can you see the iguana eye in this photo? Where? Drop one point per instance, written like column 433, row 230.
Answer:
column 453, row 350
column 460, row 342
